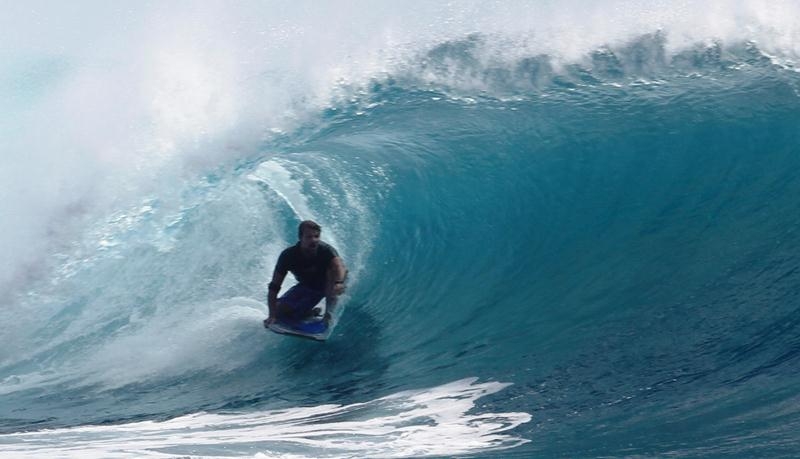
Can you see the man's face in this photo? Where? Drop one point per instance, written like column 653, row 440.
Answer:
column 310, row 240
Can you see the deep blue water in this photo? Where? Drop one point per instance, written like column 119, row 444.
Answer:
column 598, row 259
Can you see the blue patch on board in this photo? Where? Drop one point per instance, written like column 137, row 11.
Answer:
column 313, row 329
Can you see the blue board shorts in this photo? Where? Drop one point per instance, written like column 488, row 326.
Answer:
column 298, row 302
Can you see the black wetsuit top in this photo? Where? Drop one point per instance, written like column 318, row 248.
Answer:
column 310, row 271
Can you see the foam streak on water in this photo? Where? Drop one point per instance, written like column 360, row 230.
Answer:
column 438, row 421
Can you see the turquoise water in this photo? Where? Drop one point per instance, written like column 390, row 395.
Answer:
column 560, row 244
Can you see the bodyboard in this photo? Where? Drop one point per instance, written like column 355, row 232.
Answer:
column 312, row 328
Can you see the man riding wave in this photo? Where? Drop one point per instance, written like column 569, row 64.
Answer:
column 319, row 271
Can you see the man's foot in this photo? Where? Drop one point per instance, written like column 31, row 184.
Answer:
column 327, row 319
column 316, row 312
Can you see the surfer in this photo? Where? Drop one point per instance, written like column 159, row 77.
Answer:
column 319, row 271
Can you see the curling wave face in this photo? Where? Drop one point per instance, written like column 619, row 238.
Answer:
column 605, row 221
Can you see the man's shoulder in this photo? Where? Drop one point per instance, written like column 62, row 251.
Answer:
column 291, row 249
column 324, row 246
column 290, row 252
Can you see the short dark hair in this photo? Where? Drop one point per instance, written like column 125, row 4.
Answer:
column 307, row 224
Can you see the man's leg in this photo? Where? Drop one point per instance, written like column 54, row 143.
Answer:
column 297, row 303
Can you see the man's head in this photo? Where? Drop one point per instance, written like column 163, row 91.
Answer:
column 308, row 232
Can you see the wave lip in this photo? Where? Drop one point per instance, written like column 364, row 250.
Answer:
column 415, row 423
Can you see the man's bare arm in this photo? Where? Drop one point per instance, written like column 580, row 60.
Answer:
column 272, row 294
column 336, row 275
